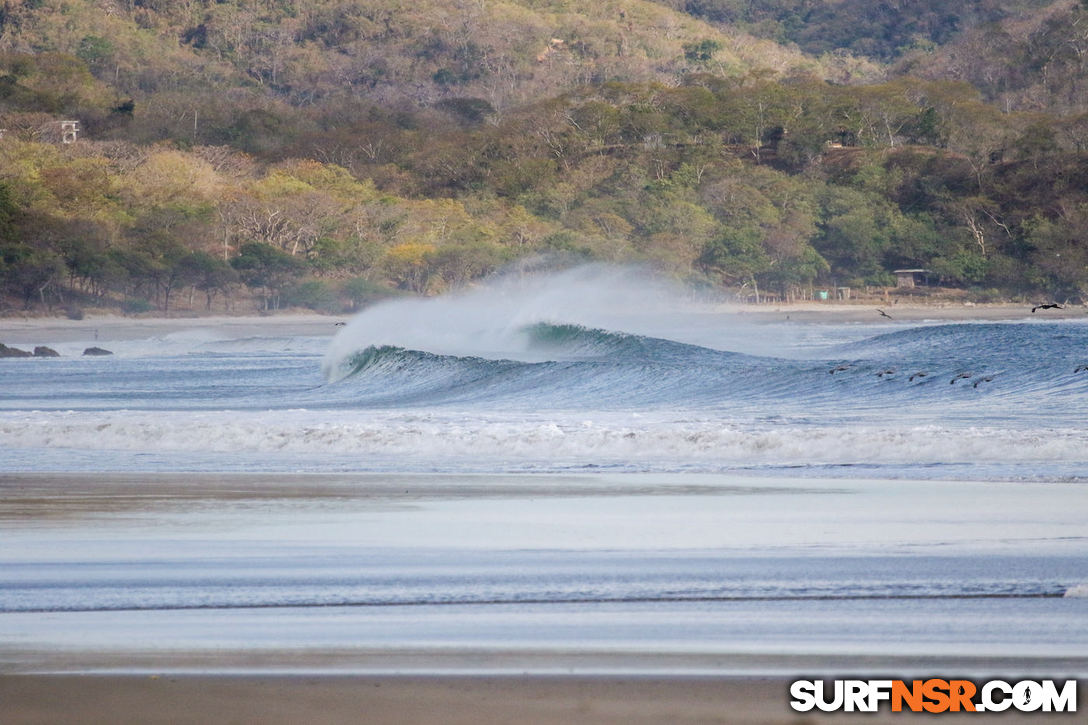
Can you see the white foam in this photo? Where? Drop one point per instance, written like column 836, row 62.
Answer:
column 1079, row 591
column 651, row 442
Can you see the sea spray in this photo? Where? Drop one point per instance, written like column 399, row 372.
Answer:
column 495, row 320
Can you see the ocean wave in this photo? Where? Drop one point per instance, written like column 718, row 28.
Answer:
column 499, row 320
column 405, row 363
column 922, row 369
column 1078, row 591
column 1000, row 343
column 567, row 338
column 240, row 597
column 563, row 342
column 665, row 444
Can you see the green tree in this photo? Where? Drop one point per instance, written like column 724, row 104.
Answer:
column 211, row 275
column 314, row 294
column 459, row 263
column 268, row 269
column 1059, row 254
column 29, row 273
column 361, row 291
column 95, row 51
column 702, row 51
column 8, row 211
column 736, row 257
column 407, row 265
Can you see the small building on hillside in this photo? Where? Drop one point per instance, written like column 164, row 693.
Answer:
column 912, row 277
column 69, row 131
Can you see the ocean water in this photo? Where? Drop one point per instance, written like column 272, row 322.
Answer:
column 583, row 462
column 579, row 372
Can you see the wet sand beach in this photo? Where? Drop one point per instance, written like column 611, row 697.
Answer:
column 658, row 575
column 513, row 699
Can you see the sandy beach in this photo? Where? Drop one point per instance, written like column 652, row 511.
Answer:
column 520, row 700
column 152, row 666
column 831, row 312
column 28, row 330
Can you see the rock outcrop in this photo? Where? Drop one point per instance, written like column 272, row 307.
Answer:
column 6, row 351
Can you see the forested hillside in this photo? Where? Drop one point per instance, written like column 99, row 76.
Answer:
column 327, row 153
column 879, row 29
column 1033, row 62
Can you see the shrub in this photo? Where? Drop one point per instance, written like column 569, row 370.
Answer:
column 136, row 306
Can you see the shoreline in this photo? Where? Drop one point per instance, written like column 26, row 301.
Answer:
column 467, row 661
column 838, row 312
column 109, row 327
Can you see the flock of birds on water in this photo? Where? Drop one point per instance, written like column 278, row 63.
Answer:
column 959, row 376
column 925, row 373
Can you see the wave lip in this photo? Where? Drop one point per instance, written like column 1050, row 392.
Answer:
column 399, row 360
column 568, row 339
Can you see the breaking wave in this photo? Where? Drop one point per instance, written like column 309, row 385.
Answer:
column 375, row 440
column 959, row 370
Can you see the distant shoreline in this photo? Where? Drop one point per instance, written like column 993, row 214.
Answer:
column 772, row 312
column 912, row 312
column 25, row 331
column 28, row 332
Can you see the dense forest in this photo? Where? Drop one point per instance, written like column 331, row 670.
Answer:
column 328, row 153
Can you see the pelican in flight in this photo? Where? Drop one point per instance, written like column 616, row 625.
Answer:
column 919, row 374
column 1047, row 306
column 986, row 379
column 889, row 371
column 838, row 369
column 961, row 376
column 1079, row 368
column 884, row 314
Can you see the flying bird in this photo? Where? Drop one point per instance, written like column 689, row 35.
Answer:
column 961, row 376
column 986, row 379
column 884, row 314
column 889, row 371
column 838, row 369
column 919, row 374
column 339, row 324
column 1048, row 306
column 1081, row 367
